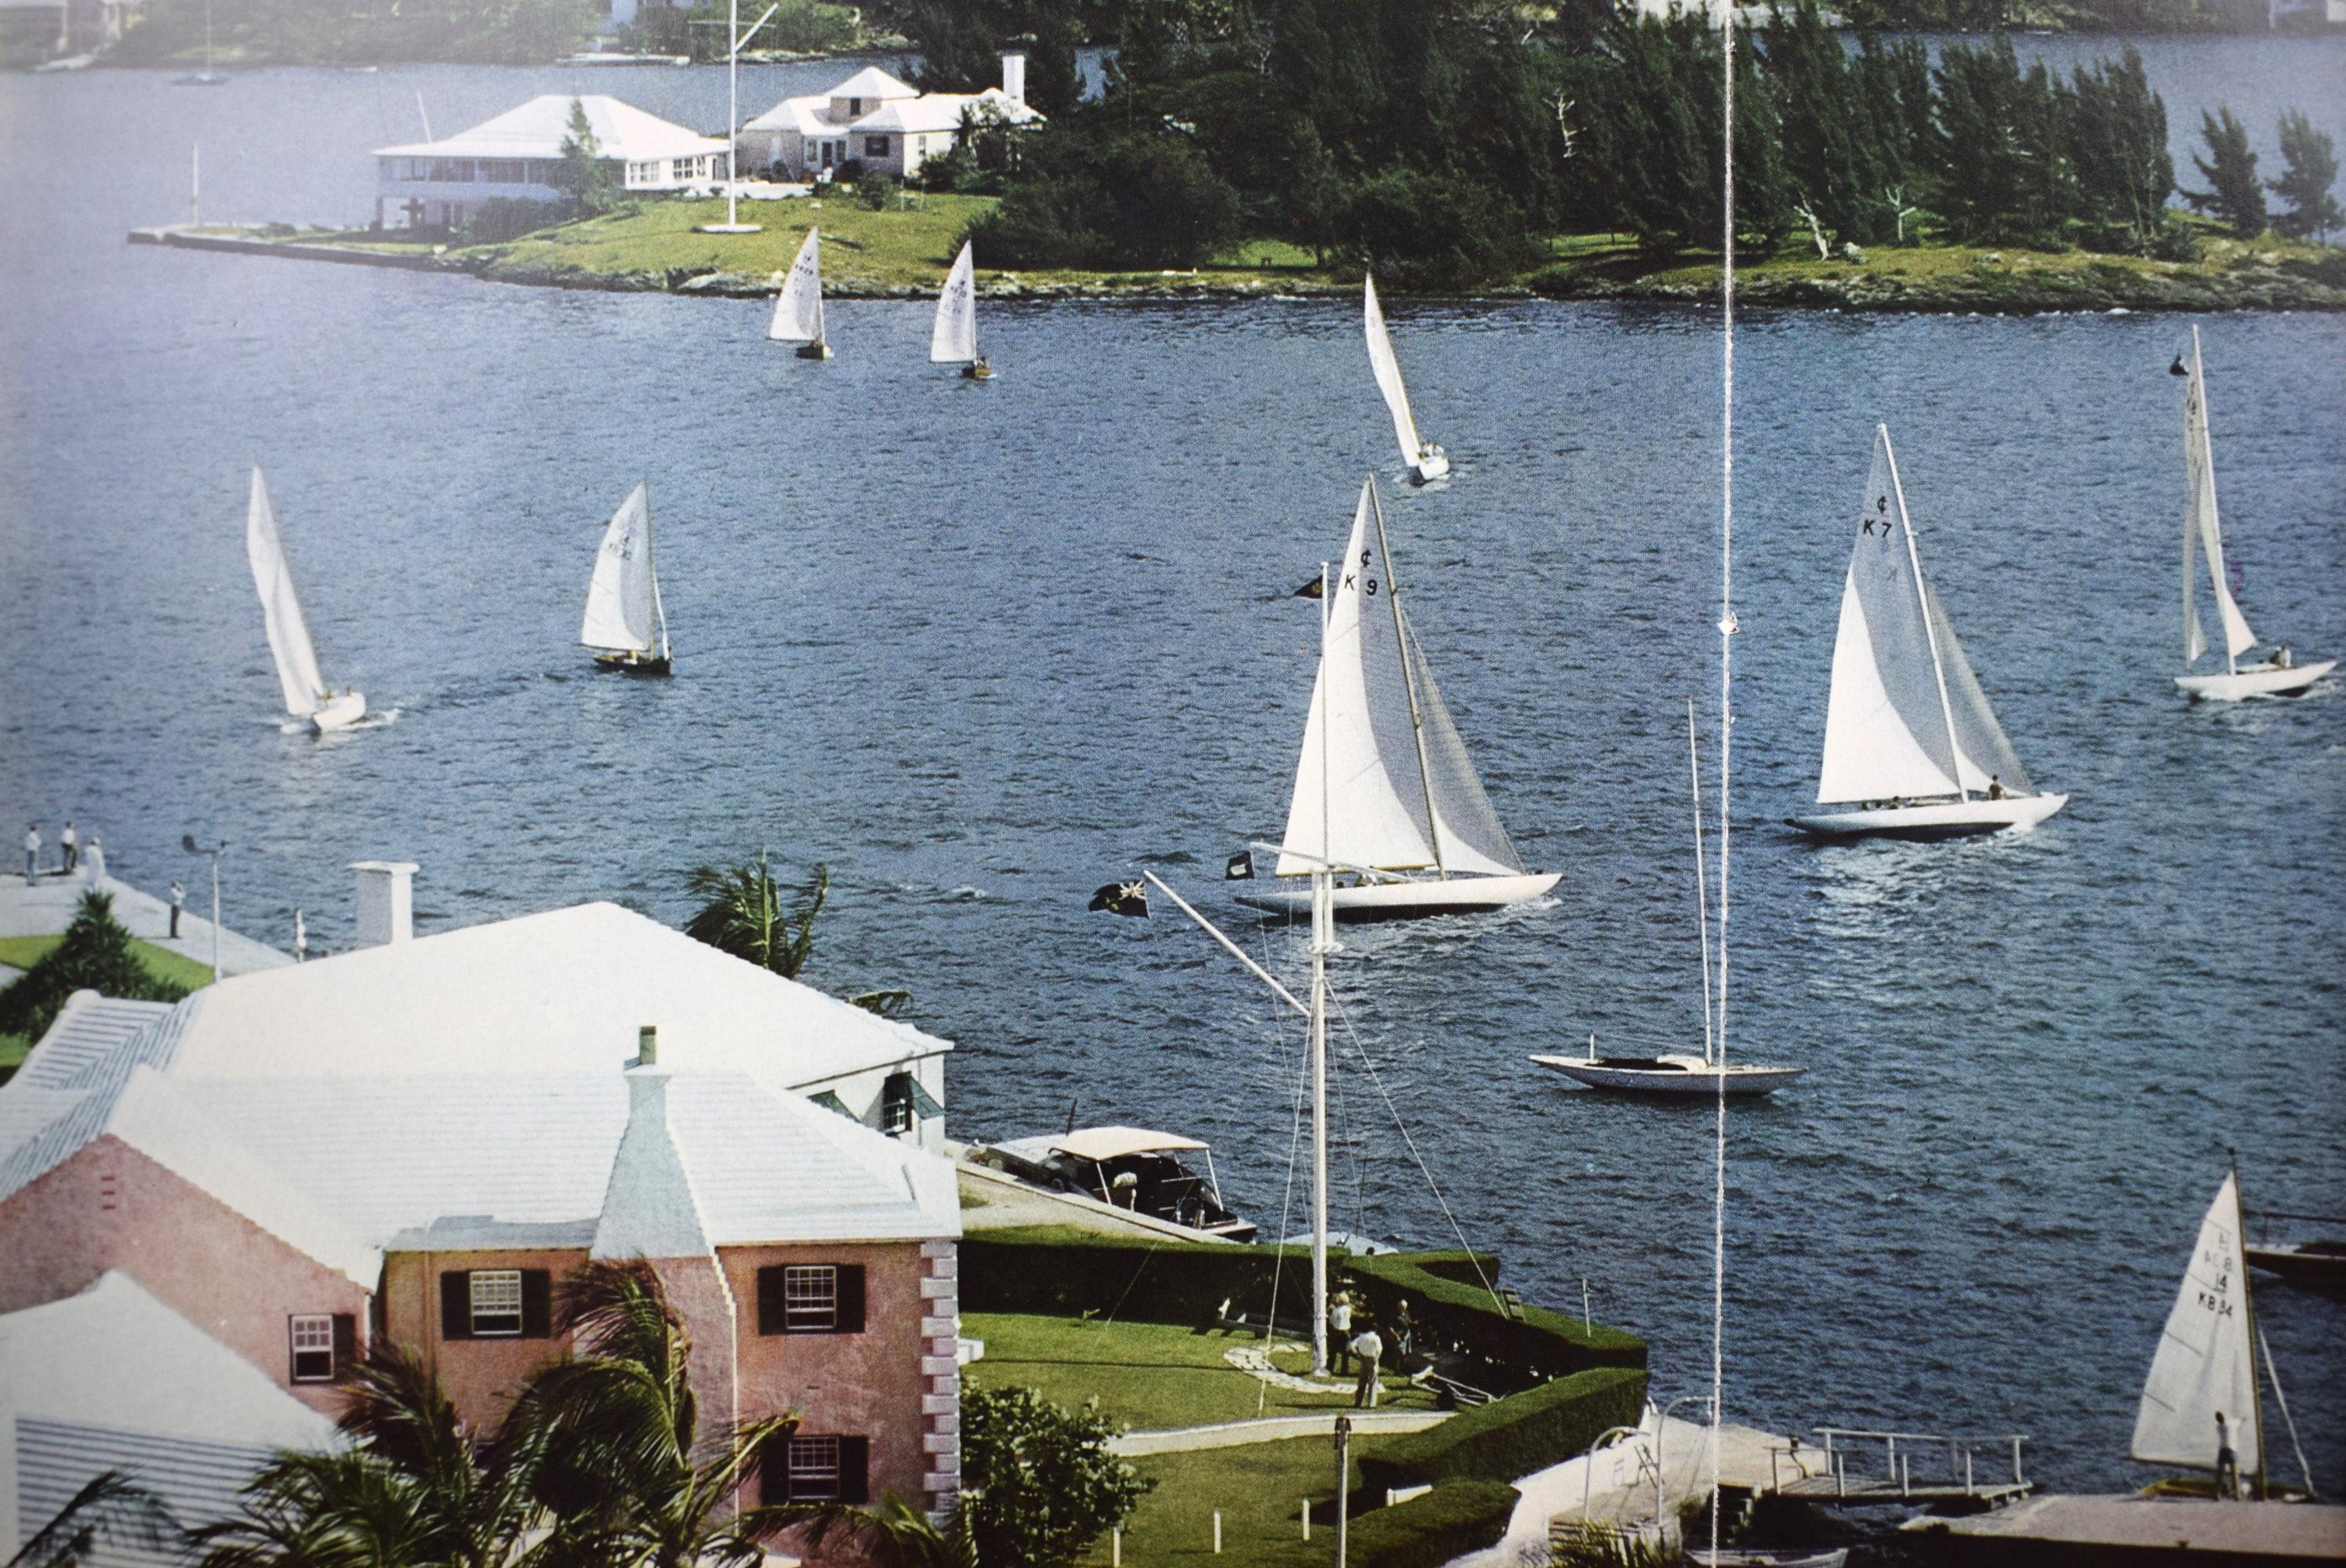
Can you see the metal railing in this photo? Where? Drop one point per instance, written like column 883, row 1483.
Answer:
column 1900, row 1451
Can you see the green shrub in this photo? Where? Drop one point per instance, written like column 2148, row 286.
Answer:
column 94, row 954
column 1449, row 1522
column 873, row 188
column 1514, row 1435
column 501, row 219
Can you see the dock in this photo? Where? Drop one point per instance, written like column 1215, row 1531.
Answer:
column 213, row 237
column 2095, row 1531
column 47, row 908
column 1857, row 1469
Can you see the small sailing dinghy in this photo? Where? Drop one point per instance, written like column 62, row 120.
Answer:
column 954, row 340
column 1384, row 789
column 798, row 308
column 2278, row 674
column 624, row 618
column 306, row 695
column 1425, row 460
column 1912, row 748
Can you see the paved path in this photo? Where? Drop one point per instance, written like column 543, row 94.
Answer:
column 48, row 907
column 1273, row 1429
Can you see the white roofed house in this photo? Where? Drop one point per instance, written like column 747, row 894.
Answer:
column 517, row 157
column 878, row 121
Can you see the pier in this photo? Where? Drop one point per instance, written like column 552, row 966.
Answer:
column 1953, row 1470
column 48, row 907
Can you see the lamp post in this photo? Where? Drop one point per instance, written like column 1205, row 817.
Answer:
column 1343, row 1487
column 187, row 843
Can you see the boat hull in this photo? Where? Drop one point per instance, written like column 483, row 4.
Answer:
column 2256, row 680
column 1429, row 467
column 633, row 663
column 814, row 351
column 1671, row 1075
column 338, row 711
column 2321, row 1263
column 1409, row 900
column 1943, row 820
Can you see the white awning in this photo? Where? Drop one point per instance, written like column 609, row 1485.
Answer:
column 1115, row 1143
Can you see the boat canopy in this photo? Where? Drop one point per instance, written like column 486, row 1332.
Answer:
column 1117, row 1143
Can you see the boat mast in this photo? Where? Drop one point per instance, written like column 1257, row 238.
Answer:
column 2207, row 469
column 2249, row 1308
column 818, row 333
column 1701, row 892
column 1323, row 942
column 651, row 565
column 1409, row 682
column 1930, row 632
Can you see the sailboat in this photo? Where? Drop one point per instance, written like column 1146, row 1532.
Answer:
column 624, row 615
column 798, row 308
column 954, row 341
column 1384, row 789
column 306, row 695
column 1912, row 748
column 2278, row 674
column 207, row 77
column 1425, row 460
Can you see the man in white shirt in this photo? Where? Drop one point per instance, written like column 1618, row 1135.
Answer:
column 32, row 853
column 1369, row 1347
column 1340, row 1336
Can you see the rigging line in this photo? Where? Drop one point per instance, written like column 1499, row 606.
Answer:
column 1726, row 724
column 2288, row 1420
column 1432, row 1186
column 1287, row 1198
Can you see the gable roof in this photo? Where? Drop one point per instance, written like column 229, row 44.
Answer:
column 872, row 82
column 539, row 128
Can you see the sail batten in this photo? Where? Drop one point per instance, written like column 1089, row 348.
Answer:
column 2204, row 1363
column 622, row 597
column 954, row 340
column 2202, row 527
column 1388, row 373
column 798, row 308
column 290, row 645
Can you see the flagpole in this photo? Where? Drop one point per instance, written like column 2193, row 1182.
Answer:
column 1323, row 924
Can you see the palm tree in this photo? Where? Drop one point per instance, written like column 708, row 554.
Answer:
column 112, row 1508
column 742, row 913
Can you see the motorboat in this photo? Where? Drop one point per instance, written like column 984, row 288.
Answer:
column 1131, row 1168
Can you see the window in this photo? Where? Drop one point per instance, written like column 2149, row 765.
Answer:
column 496, row 1301
column 902, row 1102
column 875, row 147
column 814, row 1468
column 313, row 1337
column 496, row 1304
column 811, row 1298
column 504, row 170
column 817, row 1470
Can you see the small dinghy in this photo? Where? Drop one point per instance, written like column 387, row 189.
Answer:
column 624, row 618
column 798, row 308
column 954, row 340
column 1912, row 750
column 1424, row 459
column 306, row 695
column 2278, row 674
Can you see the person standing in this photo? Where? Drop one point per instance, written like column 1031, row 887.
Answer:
column 1369, row 1349
column 300, row 937
column 70, row 842
column 96, row 861
column 1405, row 1330
column 32, row 853
column 2228, row 1462
column 178, row 904
column 1339, row 1331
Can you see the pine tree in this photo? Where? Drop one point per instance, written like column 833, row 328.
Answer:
column 2234, row 194
column 2124, row 173
column 94, row 954
column 2310, row 168
column 585, row 176
column 1982, row 165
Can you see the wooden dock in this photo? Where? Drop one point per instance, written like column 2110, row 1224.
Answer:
column 1847, row 1470
column 2086, row 1531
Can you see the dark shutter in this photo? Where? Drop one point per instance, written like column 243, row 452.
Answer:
column 774, row 1473
column 536, row 1304
column 854, row 1468
column 346, row 1342
column 772, row 1318
column 850, row 1300
column 455, row 1305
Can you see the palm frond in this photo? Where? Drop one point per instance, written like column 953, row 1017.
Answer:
column 109, row 1507
column 742, row 912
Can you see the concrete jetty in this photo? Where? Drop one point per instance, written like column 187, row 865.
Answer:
column 47, row 908
column 2094, row 1530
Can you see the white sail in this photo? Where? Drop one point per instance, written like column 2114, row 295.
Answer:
column 1360, row 784
column 798, row 308
column 2205, row 1361
column 621, row 597
column 2201, row 529
column 1388, row 370
column 281, row 608
column 954, row 339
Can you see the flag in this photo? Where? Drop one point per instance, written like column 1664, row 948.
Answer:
column 1121, row 898
column 1241, row 868
column 1314, row 590
column 2179, row 368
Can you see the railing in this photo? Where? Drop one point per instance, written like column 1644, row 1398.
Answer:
column 1900, row 1451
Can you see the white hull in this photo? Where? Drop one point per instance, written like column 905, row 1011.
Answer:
column 338, row 711
column 1670, row 1075
column 1410, row 900
column 2255, row 680
column 1429, row 466
column 1942, row 819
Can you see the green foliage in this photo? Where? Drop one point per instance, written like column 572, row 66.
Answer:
column 1514, row 1436
column 94, row 954
column 1425, row 233
column 1093, row 194
column 962, row 42
column 304, row 32
column 110, row 1508
column 1449, row 1522
column 503, row 219
column 2309, row 168
column 742, row 912
column 1041, row 1482
column 802, row 26
column 585, row 176
column 2234, row 196
column 873, row 188
column 2119, row 145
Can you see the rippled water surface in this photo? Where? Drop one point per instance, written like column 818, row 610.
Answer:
column 981, row 647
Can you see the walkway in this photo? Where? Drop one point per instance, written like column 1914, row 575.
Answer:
column 1273, row 1429
column 48, row 907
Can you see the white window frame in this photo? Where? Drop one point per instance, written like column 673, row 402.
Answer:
column 493, row 1284
column 310, row 1333
column 814, row 1462
column 810, row 1297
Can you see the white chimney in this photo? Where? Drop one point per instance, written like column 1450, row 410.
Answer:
column 1014, row 78
column 386, row 902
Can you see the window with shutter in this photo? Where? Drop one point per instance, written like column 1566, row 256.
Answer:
column 811, row 1298
column 312, row 1336
column 494, row 1297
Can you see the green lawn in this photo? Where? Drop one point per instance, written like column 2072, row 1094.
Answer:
column 24, row 951
column 1259, row 1487
column 1147, row 1375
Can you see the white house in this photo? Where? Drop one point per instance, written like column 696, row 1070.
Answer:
column 515, row 156
column 875, row 119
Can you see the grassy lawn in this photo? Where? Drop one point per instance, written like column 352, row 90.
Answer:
column 1259, row 1489
column 1148, row 1376
column 24, row 951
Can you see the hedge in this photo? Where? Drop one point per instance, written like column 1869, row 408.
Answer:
column 1512, row 1437
column 1448, row 1521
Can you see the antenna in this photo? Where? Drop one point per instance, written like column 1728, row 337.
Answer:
column 423, row 114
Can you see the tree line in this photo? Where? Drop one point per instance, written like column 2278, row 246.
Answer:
column 364, row 32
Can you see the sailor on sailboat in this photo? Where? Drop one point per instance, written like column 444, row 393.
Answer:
column 1912, row 748
column 954, row 340
column 798, row 308
column 624, row 613
column 1384, row 783
column 2278, row 674
column 306, row 695
column 1425, row 460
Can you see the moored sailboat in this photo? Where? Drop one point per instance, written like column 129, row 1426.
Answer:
column 306, row 695
column 1912, row 747
column 624, row 618
column 1426, row 461
column 1384, row 789
column 798, row 308
column 2278, row 674
column 952, row 341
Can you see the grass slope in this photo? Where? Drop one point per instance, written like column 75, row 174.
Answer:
column 24, row 951
column 1259, row 1487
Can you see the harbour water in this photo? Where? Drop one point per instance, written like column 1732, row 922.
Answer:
column 983, row 648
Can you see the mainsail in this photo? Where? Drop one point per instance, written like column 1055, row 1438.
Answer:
column 2205, row 1364
column 622, row 599
column 281, row 610
column 1906, row 717
column 954, row 339
column 798, row 308
column 2200, row 527
column 1388, row 370
column 1362, row 781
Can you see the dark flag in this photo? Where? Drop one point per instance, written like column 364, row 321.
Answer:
column 1121, row 898
column 1241, row 868
column 2179, row 368
column 1314, row 590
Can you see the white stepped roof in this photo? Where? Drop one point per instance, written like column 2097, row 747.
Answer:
column 872, row 82
column 538, row 128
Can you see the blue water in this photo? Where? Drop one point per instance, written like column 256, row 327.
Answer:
column 984, row 647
